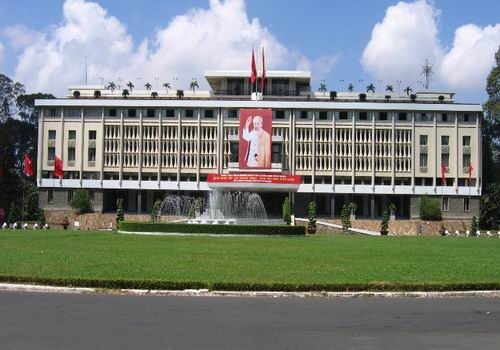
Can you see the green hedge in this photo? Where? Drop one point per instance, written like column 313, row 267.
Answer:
column 430, row 209
column 212, row 229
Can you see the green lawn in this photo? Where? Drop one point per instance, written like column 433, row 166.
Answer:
column 337, row 262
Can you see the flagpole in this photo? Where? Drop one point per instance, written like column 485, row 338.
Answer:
column 22, row 190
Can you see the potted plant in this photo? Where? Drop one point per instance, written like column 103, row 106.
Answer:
column 384, row 225
column 333, row 95
column 362, row 97
column 311, row 225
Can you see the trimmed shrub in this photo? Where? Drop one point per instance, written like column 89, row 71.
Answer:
column 120, row 215
column 311, row 225
column 133, row 226
column 473, row 226
column 430, row 209
column 155, row 214
column 287, row 211
column 81, row 202
column 345, row 217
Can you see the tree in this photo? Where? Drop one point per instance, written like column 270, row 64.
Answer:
column 408, row 90
column 345, row 217
column 166, row 86
column 333, row 95
column 389, row 88
column 81, row 202
column 154, row 94
column 350, row 87
column 125, row 93
column 120, row 215
column 26, row 107
column 194, row 85
column 130, row 86
column 387, row 98
column 322, row 88
column 473, row 226
column 180, row 94
column 362, row 97
column 147, row 86
column 9, row 92
column 311, row 225
column 430, row 209
column 76, row 94
column 97, row 94
column 155, row 214
column 371, row 88
column 111, row 86
column 287, row 211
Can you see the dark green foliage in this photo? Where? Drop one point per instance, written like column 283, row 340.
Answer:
column 362, row 97
column 312, row 209
column 81, row 202
column 473, row 226
column 430, row 209
column 212, row 229
column 287, row 211
column 490, row 207
column 345, row 217
column 384, row 225
column 155, row 214
column 333, row 95
column 14, row 213
column 120, row 215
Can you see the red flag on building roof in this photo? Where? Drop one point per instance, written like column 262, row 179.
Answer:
column 263, row 78
column 28, row 165
column 443, row 174
column 58, row 167
column 253, row 76
column 470, row 171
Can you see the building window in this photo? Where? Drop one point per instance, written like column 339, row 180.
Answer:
column 52, row 135
column 465, row 162
column 280, row 114
column 402, row 116
column 423, row 160
column 112, row 112
column 72, row 112
column 50, row 196
column 92, row 197
column 232, row 113
column 51, row 154
column 423, row 140
column 466, row 204
column 70, row 196
column 363, row 115
column 444, row 117
column 131, row 113
column 322, row 115
column 92, row 135
column 52, row 112
column 382, row 116
column 343, row 115
column 445, row 159
column 466, row 118
column 72, row 135
column 234, row 152
column 170, row 113
column 424, row 117
column 466, row 141
column 150, row 113
column 91, row 155
column 209, row 113
column 276, row 153
column 71, row 154
column 445, row 140
column 189, row 113
column 445, row 204
column 303, row 114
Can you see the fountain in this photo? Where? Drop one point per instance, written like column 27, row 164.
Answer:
column 222, row 207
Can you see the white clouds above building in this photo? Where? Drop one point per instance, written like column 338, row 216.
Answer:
column 408, row 35
column 219, row 37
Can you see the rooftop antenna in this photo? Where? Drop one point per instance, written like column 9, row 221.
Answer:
column 428, row 72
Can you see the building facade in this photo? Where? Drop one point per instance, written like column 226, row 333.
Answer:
column 370, row 148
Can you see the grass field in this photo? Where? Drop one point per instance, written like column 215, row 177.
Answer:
column 111, row 260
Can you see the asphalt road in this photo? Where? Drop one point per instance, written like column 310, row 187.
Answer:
column 69, row 321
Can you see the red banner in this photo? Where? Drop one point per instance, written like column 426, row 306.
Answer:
column 276, row 179
column 256, row 126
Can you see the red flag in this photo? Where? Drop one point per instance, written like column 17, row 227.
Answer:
column 1, row 171
column 470, row 171
column 58, row 167
column 443, row 174
column 262, row 80
column 253, row 76
column 28, row 165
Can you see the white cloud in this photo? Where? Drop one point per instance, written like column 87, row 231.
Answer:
column 469, row 61
column 2, row 51
column 219, row 37
column 21, row 36
column 408, row 35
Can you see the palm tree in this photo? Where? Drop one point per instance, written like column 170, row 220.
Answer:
column 130, row 86
column 333, row 95
column 362, row 97
column 194, row 85
column 111, row 86
column 147, row 86
column 371, row 88
column 413, row 97
column 180, row 94
column 387, row 98
column 76, row 94
column 351, row 87
column 97, row 94
column 441, row 98
column 125, row 93
column 389, row 88
column 166, row 86
column 408, row 90
column 154, row 94
column 322, row 88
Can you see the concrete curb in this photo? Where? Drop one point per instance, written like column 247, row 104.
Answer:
column 10, row 287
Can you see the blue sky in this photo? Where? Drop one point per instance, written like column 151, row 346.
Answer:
column 331, row 36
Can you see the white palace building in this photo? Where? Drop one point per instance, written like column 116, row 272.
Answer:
column 370, row 148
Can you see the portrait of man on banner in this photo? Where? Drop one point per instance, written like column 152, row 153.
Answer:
column 255, row 138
